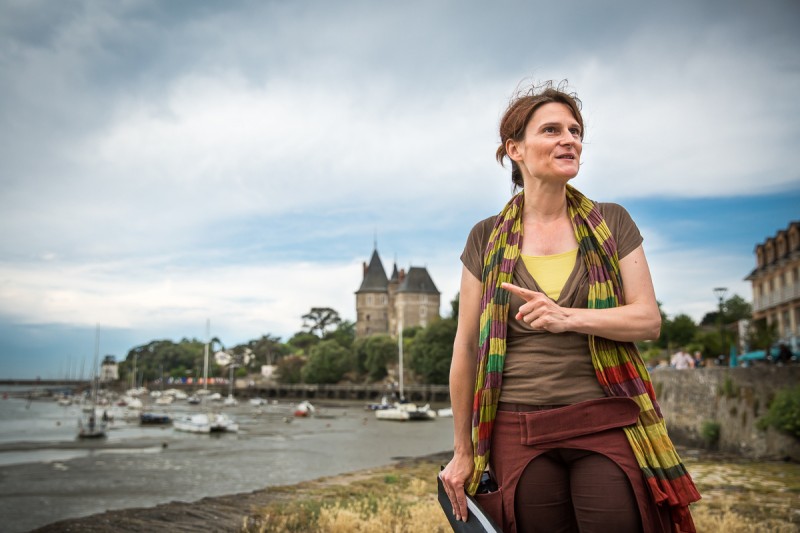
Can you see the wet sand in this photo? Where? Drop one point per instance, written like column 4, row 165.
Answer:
column 218, row 514
column 46, row 475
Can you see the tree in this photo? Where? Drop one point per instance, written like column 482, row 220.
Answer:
column 734, row 309
column 268, row 349
column 379, row 350
column 680, row 330
column 319, row 319
column 328, row 362
column 289, row 369
column 303, row 341
column 344, row 334
column 762, row 335
column 454, row 304
column 432, row 351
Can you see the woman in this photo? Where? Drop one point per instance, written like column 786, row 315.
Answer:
column 547, row 389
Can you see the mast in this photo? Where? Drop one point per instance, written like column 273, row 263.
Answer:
column 205, row 358
column 95, row 377
column 400, row 350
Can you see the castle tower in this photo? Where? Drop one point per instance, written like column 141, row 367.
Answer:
column 383, row 304
column 372, row 299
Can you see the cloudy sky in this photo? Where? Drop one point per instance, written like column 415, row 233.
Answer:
column 167, row 162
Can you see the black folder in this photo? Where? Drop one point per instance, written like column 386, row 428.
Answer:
column 477, row 521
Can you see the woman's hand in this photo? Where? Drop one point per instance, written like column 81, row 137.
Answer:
column 539, row 311
column 454, row 476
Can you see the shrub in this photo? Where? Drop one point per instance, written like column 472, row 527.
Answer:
column 710, row 433
column 784, row 412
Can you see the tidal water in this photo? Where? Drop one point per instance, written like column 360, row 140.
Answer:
column 46, row 474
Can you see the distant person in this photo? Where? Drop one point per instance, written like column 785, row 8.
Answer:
column 698, row 359
column 545, row 340
column 784, row 355
column 682, row 360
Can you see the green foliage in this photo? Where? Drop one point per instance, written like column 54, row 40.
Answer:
column 762, row 335
column 432, row 351
column 344, row 334
column 784, row 412
column 710, row 431
column 328, row 362
column 728, row 388
column 268, row 350
column 373, row 354
column 319, row 319
column 289, row 369
column 174, row 359
column 302, row 342
column 454, row 304
column 678, row 331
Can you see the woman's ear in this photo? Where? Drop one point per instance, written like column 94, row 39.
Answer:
column 512, row 150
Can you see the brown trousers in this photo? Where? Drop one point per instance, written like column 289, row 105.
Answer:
column 548, row 463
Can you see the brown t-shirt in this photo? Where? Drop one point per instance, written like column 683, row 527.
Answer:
column 543, row 368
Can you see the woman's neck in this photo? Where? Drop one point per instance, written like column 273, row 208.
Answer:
column 544, row 202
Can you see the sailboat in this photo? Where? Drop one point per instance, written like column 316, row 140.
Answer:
column 403, row 410
column 90, row 426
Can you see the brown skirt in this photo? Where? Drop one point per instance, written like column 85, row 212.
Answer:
column 519, row 436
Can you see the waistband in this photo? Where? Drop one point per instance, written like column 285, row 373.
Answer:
column 524, row 407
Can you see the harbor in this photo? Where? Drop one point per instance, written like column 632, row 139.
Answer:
column 47, row 474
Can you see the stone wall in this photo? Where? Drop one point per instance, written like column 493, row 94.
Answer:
column 735, row 398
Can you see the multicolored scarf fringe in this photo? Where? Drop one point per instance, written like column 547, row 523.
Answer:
column 618, row 366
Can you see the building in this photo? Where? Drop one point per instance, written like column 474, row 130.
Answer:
column 109, row 370
column 406, row 299
column 776, row 283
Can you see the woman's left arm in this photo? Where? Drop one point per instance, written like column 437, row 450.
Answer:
column 639, row 319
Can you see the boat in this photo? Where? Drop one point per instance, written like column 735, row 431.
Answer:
column 402, row 410
column 198, row 423
column 222, row 422
column 257, row 401
column 406, row 411
column 154, row 419
column 164, row 400
column 194, row 399
column 445, row 412
column 230, row 401
column 384, row 404
column 206, row 423
column 304, row 409
column 92, row 427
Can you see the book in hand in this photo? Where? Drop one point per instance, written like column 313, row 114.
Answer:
column 477, row 520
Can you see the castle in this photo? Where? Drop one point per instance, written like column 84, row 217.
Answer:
column 383, row 305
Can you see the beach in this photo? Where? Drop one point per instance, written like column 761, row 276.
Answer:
column 47, row 475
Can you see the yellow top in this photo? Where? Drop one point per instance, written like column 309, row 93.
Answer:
column 551, row 271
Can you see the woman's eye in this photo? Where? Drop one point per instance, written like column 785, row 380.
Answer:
column 575, row 131
column 549, row 129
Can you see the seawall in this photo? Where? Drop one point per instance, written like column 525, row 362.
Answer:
column 734, row 398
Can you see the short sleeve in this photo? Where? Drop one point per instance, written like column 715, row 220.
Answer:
column 472, row 256
column 622, row 227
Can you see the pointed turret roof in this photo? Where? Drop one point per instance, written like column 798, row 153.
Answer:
column 395, row 274
column 418, row 280
column 375, row 277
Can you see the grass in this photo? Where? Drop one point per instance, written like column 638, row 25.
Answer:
column 738, row 497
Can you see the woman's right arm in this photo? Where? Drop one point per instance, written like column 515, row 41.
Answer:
column 462, row 382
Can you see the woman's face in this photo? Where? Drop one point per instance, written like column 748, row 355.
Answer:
column 551, row 148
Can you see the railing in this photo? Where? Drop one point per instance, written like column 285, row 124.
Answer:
column 783, row 295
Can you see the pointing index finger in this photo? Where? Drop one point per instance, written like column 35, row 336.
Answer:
column 525, row 294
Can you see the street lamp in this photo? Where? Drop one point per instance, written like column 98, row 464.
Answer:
column 720, row 292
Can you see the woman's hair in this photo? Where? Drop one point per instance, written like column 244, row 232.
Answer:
column 520, row 110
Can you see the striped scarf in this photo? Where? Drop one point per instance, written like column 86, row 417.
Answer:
column 618, row 366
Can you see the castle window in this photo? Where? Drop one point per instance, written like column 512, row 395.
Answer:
column 369, row 299
column 423, row 312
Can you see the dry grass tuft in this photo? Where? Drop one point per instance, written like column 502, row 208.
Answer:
column 737, row 498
